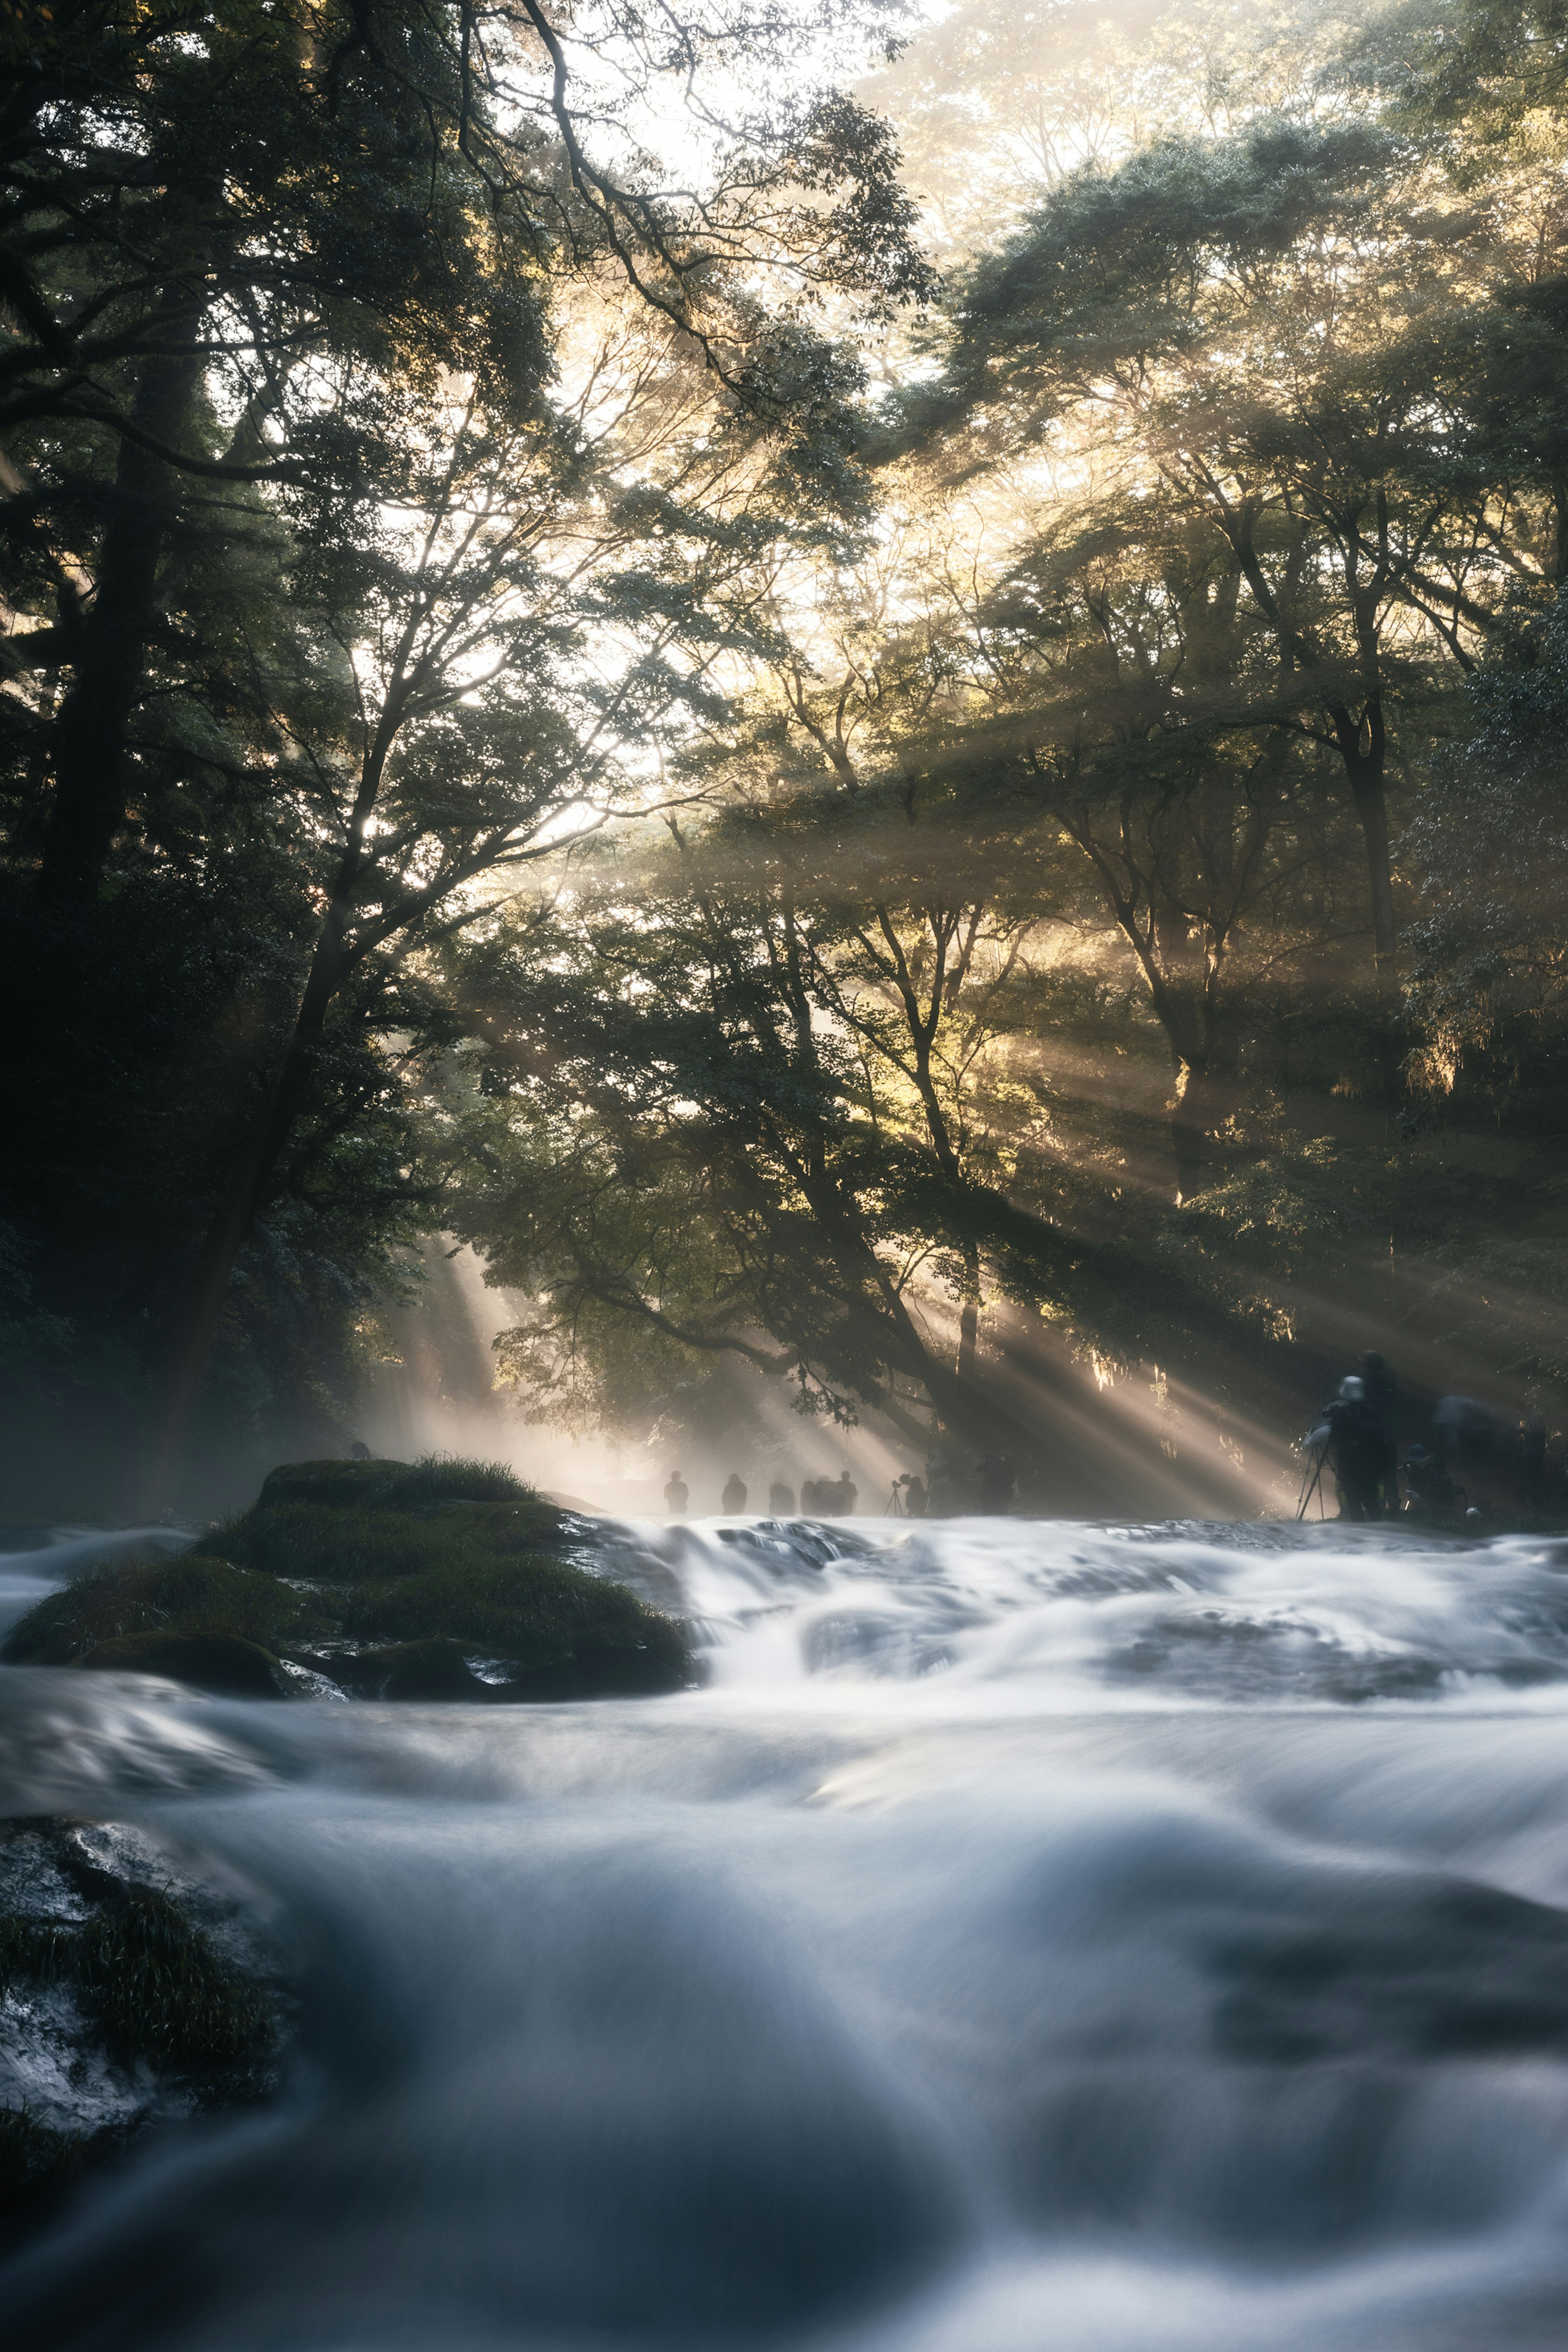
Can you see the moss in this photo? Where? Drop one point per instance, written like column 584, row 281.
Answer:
column 152, row 1980
column 346, row 1543
column 160, row 1991
column 190, row 1594
column 396, row 1485
column 555, row 1624
column 220, row 1664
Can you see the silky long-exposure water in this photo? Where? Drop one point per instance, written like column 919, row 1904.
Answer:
column 1034, row 1937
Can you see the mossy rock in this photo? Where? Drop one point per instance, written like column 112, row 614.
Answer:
column 150, row 1978
column 432, row 1578
column 162, row 1992
column 329, row 1482
column 220, row 1664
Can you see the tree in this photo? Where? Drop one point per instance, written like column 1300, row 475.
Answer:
column 378, row 423
column 1243, row 328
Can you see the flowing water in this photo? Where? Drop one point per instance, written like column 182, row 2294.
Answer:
column 1034, row 1937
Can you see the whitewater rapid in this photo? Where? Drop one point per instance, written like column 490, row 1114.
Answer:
column 1031, row 1937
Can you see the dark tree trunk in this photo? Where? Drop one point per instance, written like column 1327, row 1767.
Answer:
column 1206, row 1098
column 1363, row 750
column 969, row 1314
column 91, row 775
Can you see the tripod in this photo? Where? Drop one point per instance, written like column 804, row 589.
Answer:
column 1312, row 1483
column 895, row 1509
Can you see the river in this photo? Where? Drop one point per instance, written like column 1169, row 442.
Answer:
column 1033, row 1937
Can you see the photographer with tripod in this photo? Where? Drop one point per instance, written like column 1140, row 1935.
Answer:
column 1350, row 1434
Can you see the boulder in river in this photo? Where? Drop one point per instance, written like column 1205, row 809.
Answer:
column 431, row 1579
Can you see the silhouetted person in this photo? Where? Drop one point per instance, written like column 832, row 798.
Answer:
column 1383, row 1403
column 1533, row 1459
column 1356, row 1450
column 915, row 1497
column 677, row 1496
column 998, row 1487
column 734, row 1497
column 845, row 1495
column 780, row 1499
column 358, row 1450
column 1478, row 1443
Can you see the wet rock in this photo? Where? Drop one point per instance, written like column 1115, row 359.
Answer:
column 1399, row 1970
column 405, row 1670
column 129, row 1995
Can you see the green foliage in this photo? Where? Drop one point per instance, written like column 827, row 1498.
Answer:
column 326, row 488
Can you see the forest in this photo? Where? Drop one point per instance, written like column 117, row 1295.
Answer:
column 876, row 694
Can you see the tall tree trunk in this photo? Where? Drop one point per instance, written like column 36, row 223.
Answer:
column 969, row 1314
column 1363, row 750
column 91, row 772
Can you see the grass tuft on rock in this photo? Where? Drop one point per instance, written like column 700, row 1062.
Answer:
column 35, row 1952
column 396, row 1485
